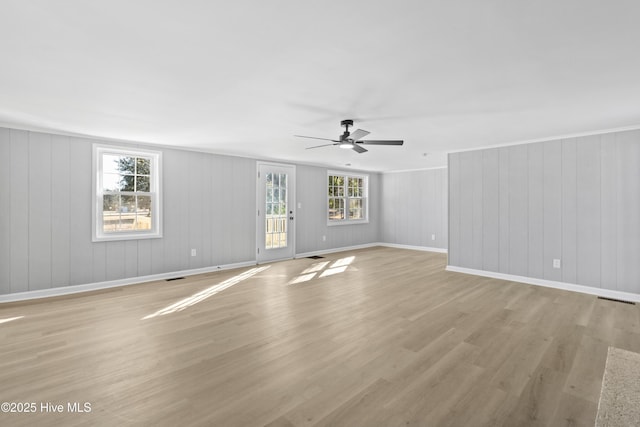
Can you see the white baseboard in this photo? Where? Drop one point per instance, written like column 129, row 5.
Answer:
column 414, row 248
column 607, row 293
column 66, row 290
column 332, row 250
column 371, row 245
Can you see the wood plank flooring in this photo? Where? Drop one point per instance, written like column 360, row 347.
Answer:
column 374, row 337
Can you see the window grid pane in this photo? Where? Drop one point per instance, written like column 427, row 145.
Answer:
column 276, row 211
column 126, row 212
column 127, row 196
column 346, row 198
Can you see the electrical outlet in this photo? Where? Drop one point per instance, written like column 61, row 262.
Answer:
column 193, row 252
column 556, row 263
column 433, row 237
column 324, row 238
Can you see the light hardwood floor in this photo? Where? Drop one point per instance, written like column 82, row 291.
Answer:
column 393, row 340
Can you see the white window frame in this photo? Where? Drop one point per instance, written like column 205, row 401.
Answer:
column 155, row 190
column 365, row 198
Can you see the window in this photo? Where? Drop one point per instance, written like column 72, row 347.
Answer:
column 347, row 198
column 126, row 193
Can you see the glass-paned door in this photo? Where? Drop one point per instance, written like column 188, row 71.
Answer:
column 275, row 210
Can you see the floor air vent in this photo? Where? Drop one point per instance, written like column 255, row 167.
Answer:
column 618, row 300
column 174, row 278
column 315, row 257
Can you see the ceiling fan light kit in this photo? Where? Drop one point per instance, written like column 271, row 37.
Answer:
column 353, row 140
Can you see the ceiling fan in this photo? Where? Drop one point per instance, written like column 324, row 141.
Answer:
column 352, row 140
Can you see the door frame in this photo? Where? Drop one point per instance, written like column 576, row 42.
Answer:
column 291, row 191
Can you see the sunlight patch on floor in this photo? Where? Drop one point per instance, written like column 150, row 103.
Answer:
column 206, row 293
column 9, row 319
column 316, row 267
column 343, row 262
column 332, row 271
column 302, row 278
column 320, row 269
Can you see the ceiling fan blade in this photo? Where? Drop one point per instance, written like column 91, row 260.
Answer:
column 357, row 134
column 313, row 137
column 359, row 149
column 318, row 146
column 382, row 142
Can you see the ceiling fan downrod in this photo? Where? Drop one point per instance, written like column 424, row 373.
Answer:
column 346, row 124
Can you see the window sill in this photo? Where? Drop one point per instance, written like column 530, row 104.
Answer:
column 347, row 222
column 126, row 236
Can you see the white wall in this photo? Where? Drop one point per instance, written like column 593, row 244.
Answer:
column 209, row 205
column 515, row 209
column 311, row 222
column 414, row 208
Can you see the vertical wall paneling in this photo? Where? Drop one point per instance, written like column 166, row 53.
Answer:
column 174, row 197
column 244, row 209
column 388, row 219
column 19, row 203
column 569, row 211
column 425, row 191
column 234, row 195
column 60, row 211
column 413, row 196
column 575, row 200
column 114, row 255
column 453, row 254
column 303, row 229
column 503, row 203
column 144, row 256
column 477, row 212
column 208, row 205
column 552, row 208
column 518, row 210
column 375, row 208
column 588, row 202
column 224, row 191
column 183, row 201
column 628, row 184
column 131, row 261
column 311, row 223
column 491, row 210
column 204, row 251
column 81, row 248
column 99, row 258
column 536, row 210
column 466, row 207
column 195, row 220
column 5, row 212
column 398, row 209
column 439, row 215
column 609, row 211
column 39, row 191
column 432, row 210
column 311, row 219
column 443, row 197
column 412, row 207
column 217, row 201
column 404, row 214
column 157, row 255
column 392, row 202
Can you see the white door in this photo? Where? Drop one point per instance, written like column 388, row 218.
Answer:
column 276, row 213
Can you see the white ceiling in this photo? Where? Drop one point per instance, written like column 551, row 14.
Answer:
column 242, row 77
